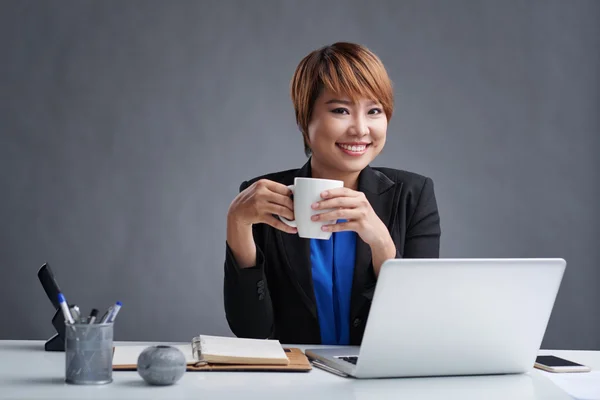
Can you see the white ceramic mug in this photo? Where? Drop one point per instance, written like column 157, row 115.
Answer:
column 306, row 192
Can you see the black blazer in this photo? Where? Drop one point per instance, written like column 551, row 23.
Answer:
column 275, row 298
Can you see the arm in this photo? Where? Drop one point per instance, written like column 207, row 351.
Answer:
column 381, row 252
column 423, row 231
column 422, row 234
column 248, row 306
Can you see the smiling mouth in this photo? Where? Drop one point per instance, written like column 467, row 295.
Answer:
column 354, row 149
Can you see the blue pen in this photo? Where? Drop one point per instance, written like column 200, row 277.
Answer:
column 65, row 308
column 114, row 312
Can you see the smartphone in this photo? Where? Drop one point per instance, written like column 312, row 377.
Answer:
column 557, row 364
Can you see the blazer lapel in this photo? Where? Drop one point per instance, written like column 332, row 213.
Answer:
column 378, row 189
column 297, row 254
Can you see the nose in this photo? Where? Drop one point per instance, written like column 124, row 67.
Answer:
column 360, row 126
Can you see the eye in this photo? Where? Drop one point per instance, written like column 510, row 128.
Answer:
column 375, row 111
column 340, row 111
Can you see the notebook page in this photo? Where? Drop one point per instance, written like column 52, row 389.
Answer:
column 128, row 355
column 236, row 348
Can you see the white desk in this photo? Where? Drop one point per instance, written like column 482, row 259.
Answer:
column 28, row 372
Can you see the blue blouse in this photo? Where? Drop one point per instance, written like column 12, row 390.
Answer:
column 332, row 271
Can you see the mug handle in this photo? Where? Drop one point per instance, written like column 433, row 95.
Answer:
column 286, row 221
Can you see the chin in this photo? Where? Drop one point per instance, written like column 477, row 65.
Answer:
column 351, row 166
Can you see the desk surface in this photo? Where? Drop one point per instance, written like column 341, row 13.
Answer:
column 28, row 372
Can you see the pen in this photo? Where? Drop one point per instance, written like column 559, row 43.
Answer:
column 93, row 315
column 114, row 312
column 106, row 315
column 65, row 308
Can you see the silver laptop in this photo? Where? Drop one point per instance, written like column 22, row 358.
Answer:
column 440, row 317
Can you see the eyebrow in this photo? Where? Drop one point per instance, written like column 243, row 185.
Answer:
column 347, row 102
column 338, row 101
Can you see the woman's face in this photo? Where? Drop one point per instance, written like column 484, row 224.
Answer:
column 346, row 136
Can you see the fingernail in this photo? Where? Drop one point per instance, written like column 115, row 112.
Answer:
column 325, row 194
column 315, row 205
column 314, row 217
column 325, row 227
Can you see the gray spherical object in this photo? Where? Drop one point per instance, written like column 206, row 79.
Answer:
column 161, row 365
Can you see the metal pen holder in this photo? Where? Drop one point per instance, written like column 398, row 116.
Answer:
column 88, row 353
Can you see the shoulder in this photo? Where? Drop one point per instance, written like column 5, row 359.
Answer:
column 411, row 190
column 414, row 196
column 409, row 181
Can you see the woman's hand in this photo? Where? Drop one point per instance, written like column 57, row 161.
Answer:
column 354, row 207
column 255, row 204
column 259, row 201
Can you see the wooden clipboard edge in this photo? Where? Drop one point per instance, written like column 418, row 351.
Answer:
column 298, row 363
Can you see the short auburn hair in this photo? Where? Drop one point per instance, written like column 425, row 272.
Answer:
column 343, row 68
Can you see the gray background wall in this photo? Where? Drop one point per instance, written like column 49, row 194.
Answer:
column 126, row 128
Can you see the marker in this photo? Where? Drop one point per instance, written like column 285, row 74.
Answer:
column 114, row 312
column 65, row 309
column 93, row 316
column 75, row 313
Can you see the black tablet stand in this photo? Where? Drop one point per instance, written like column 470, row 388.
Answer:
column 57, row 342
column 46, row 277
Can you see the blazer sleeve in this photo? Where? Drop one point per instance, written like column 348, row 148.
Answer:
column 248, row 306
column 423, row 231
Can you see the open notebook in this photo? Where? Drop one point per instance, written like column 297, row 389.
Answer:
column 225, row 354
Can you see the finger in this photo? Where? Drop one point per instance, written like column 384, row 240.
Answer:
column 271, row 208
column 339, row 192
column 281, row 200
column 277, row 224
column 274, row 187
column 337, row 202
column 342, row 226
column 343, row 213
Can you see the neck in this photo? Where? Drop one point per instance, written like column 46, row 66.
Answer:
column 350, row 179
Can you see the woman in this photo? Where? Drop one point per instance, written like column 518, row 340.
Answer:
column 306, row 291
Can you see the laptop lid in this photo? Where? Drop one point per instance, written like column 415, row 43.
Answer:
column 432, row 317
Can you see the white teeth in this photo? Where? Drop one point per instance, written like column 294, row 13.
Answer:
column 356, row 149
